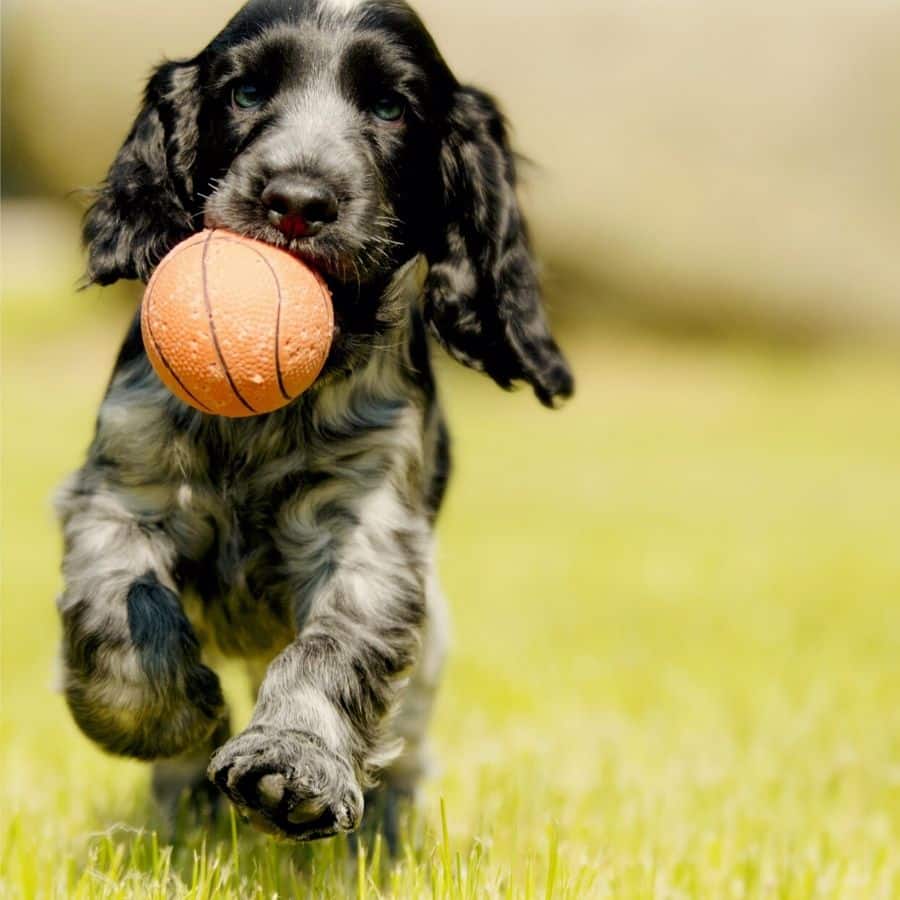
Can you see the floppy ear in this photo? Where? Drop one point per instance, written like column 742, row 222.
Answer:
column 482, row 297
column 144, row 207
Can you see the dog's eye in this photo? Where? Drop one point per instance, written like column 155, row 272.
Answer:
column 246, row 96
column 389, row 108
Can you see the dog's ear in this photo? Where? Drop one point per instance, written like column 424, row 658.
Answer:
column 143, row 208
column 482, row 296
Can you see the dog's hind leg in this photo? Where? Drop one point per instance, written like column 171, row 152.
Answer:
column 184, row 795
column 132, row 672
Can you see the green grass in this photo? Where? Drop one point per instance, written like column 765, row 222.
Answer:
column 676, row 669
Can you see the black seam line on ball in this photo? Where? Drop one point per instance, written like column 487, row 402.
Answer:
column 324, row 298
column 281, row 386
column 165, row 361
column 212, row 326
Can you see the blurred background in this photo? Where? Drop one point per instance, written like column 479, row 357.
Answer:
column 697, row 165
column 677, row 601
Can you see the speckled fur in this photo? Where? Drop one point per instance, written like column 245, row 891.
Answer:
column 301, row 541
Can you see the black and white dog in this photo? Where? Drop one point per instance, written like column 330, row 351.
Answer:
column 300, row 541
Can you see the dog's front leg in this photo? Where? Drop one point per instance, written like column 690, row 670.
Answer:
column 132, row 672
column 316, row 736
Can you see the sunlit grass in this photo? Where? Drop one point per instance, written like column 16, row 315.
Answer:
column 676, row 669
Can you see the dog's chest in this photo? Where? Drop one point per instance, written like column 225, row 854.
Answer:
column 266, row 512
column 256, row 541
column 232, row 565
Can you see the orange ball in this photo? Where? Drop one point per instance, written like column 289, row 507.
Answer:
column 235, row 327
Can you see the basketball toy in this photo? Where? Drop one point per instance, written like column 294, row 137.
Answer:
column 235, row 327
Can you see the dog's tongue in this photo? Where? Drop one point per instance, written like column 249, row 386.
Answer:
column 293, row 226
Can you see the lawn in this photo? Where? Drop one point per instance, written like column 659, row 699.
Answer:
column 676, row 669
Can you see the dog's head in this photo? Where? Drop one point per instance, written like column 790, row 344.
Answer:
column 334, row 128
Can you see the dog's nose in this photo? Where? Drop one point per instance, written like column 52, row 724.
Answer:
column 299, row 207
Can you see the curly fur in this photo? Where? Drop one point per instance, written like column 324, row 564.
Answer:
column 301, row 541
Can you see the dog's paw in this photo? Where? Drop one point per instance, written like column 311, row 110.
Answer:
column 287, row 783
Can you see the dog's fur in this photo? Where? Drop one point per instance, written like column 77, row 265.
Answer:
column 300, row 541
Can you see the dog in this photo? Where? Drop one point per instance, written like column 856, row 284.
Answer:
column 301, row 541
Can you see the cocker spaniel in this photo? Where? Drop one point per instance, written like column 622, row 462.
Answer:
column 300, row 541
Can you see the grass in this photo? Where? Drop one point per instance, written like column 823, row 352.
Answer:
column 677, row 643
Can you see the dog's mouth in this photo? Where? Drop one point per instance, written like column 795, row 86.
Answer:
column 352, row 277
column 327, row 252
column 313, row 251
